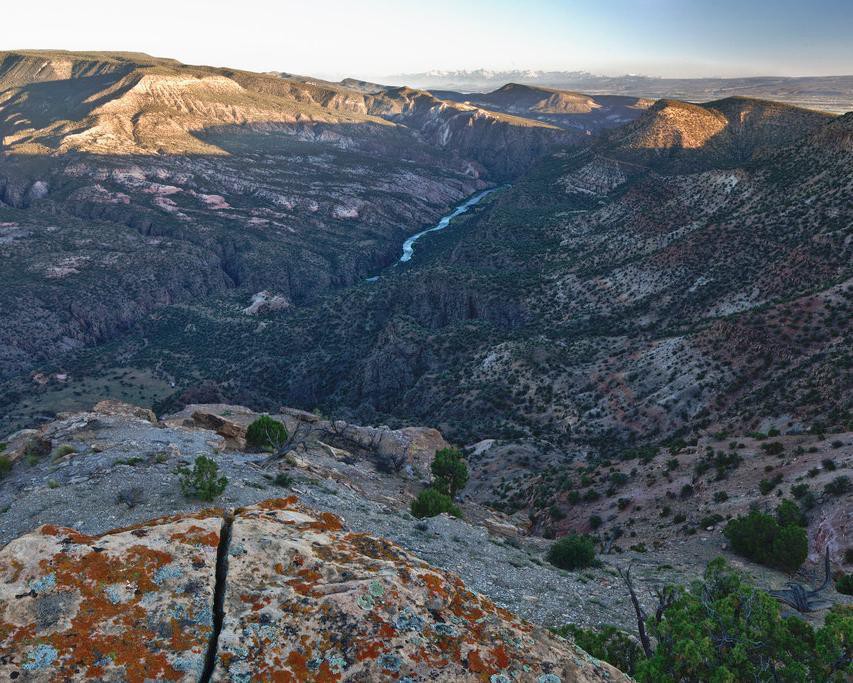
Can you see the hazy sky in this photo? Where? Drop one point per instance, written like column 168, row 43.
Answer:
column 372, row 38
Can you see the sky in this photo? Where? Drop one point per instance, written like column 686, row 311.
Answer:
column 375, row 38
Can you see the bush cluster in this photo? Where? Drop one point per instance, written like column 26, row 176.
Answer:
column 449, row 476
column 761, row 538
column 572, row 552
column 725, row 630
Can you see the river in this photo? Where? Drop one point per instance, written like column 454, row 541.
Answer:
column 409, row 244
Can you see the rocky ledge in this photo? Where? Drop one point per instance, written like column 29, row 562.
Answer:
column 272, row 592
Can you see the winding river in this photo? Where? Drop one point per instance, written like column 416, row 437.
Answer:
column 409, row 244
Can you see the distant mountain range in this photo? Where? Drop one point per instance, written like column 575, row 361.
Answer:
column 830, row 93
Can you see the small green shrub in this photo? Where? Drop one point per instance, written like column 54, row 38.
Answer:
column 591, row 495
column 266, row 433
column 283, row 480
column 63, row 450
column 449, row 471
column 202, row 481
column 766, row 486
column 5, row 466
column 773, row 448
column 572, row 552
column 431, row 502
column 844, row 585
column 788, row 512
column 556, row 513
column 607, row 643
column 710, row 520
column 132, row 461
column 838, row 486
column 799, row 490
column 35, row 450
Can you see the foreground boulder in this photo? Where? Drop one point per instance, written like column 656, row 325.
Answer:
column 130, row 605
column 294, row 597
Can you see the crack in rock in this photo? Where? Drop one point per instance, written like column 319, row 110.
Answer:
column 218, row 595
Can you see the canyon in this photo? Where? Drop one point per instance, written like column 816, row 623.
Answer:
column 630, row 313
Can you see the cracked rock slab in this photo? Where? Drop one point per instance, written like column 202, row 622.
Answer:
column 131, row 605
column 305, row 600
column 272, row 592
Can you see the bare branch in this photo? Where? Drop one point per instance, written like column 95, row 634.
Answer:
column 638, row 610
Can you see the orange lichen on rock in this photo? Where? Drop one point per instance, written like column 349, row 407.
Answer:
column 133, row 605
column 302, row 601
column 352, row 607
column 195, row 535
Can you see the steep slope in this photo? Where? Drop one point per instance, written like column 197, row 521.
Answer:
column 678, row 136
column 149, row 109
column 111, row 104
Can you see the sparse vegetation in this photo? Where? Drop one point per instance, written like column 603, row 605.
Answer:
column 572, row 552
column 202, row 481
column 449, row 471
column 266, row 433
column 431, row 502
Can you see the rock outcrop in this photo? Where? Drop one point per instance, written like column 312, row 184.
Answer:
column 112, row 407
column 408, row 451
column 271, row 592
